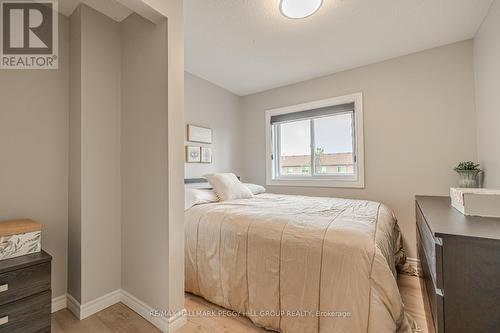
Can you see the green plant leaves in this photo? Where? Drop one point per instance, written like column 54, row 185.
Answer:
column 469, row 165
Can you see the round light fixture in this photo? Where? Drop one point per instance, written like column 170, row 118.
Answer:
column 297, row 9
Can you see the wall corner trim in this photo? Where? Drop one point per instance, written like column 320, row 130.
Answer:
column 177, row 321
column 73, row 305
column 59, row 303
column 82, row 311
column 166, row 325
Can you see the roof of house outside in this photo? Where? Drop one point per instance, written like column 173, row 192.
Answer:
column 324, row 159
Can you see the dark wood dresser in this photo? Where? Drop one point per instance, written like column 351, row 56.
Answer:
column 460, row 257
column 25, row 294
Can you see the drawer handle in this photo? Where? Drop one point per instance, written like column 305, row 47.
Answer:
column 4, row 320
column 4, row 287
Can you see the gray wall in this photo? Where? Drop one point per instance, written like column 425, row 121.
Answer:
column 144, row 133
column 158, row 262
column 34, row 152
column 101, row 179
column 487, row 70
column 419, row 121
column 98, row 106
column 75, row 160
column 211, row 106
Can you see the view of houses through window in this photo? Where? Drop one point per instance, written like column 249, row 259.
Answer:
column 334, row 163
column 325, row 142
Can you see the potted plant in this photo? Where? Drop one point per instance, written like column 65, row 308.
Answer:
column 468, row 172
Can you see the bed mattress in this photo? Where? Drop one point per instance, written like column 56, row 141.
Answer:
column 297, row 264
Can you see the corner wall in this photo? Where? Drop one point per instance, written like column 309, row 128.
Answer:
column 95, row 155
column 173, row 10
column 419, row 121
column 144, row 134
column 487, row 71
column 127, row 159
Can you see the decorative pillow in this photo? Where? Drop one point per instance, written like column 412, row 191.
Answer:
column 196, row 196
column 228, row 187
column 255, row 189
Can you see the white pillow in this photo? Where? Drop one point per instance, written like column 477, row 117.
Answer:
column 196, row 196
column 255, row 189
column 228, row 187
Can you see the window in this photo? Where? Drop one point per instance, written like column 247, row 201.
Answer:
column 316, row 144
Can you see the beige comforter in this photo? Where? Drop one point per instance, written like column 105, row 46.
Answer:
column 298, row 264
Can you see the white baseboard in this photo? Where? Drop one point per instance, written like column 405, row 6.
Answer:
column 73, row 305
column 144, row 311
column 59, row 303
column 415, row 263
column 166, row 325
column 101, row 303
column 177, row 321
column 82, row 311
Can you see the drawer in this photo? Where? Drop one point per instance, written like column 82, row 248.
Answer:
column 432, row 249
column 434, row 294
column 24, row 282
column 29, row 315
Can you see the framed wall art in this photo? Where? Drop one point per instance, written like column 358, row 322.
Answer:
column 206, row 155
column 199, row 134
column 193, row 154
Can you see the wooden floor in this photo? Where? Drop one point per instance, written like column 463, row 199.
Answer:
column 416, row 304
column 119, row 318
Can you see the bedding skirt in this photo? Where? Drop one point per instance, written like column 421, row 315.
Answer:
column 298, row 264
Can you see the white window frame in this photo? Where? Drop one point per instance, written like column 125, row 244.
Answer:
column 356, row 181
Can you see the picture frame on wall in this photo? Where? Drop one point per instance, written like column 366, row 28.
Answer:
column 199, row 134
column 206, row 155
column 193, row 154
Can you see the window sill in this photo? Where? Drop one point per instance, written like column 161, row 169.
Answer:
column 338, row 183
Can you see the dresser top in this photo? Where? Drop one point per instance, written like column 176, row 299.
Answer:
column 12, row 264
column 444, row 220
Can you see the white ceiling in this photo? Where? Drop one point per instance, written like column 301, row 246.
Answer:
column 111, row 8
column 247, row 46
column 118, row 10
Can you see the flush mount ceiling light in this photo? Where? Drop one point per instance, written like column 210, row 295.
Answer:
column 297, row 9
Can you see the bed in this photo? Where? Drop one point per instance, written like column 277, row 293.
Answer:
column 297, row 264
